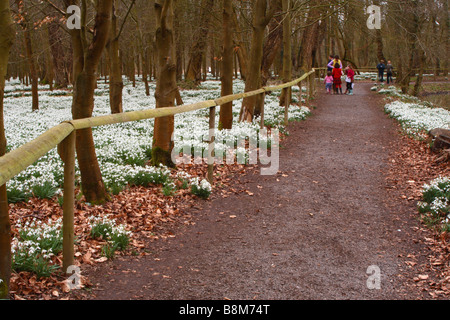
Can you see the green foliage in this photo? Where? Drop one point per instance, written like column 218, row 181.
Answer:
column 146, row 179
column 44, row 191
column 36, row 245
column 201, row 189
column 435, row 207
column 16, row 195
column 116, row 235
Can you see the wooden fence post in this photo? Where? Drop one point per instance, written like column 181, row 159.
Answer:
column 263, row 97
column 287, row 103
column 307, row 93
column 66, row 150
column 211, row 153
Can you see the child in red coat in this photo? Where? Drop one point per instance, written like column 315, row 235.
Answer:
column 349, row 79
column 337, row 81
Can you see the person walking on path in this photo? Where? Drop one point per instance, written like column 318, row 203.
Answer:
column 330, row 63
column 381, row 67
column 334, row 61
column 349, row 79
column 337, row 74
column 329, row 82
column 389, row 72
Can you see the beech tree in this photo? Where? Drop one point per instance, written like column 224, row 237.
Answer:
column 166, row 83
column 115, row 76
column 86, row 57
column 6, row 40
column 287, row 52
column 262, row 15
column 193, row 72
column 27, row 26
column 226, row 110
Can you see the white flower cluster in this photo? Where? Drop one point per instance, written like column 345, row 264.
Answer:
column 37, row 237
column 436, row 196
column 122, row 149
column 417, row 118
column 113, row 229
column 442, row 183
column 201, row 184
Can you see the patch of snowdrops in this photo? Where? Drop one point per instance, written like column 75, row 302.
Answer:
column 36, row 246
column 435, row 204
column 123, row 150
column 416, row 117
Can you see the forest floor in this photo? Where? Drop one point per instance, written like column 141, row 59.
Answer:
column 344, row 199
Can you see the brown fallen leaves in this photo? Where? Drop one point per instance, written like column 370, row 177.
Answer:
column 148, row 214
column 412, row 165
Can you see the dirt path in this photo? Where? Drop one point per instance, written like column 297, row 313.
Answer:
column 310, row 232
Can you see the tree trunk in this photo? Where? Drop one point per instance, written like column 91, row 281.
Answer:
column 261, row 18
column 115, row 78
column 86, row 59
column 273, row 43
column 50, row 73
column 198, row 53
column 416, row 89
column 32, row 67
column 446, row 29
column 287, row 53
column 226, row 110
column 166, row 84
column 412, row 28
column 58, row 55
column 309, row 37
column 240, row 48
column 6, row 40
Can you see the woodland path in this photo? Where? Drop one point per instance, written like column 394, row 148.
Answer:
column 309, row 232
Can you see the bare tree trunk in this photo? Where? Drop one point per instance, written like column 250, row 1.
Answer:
column 309, row 37
column 166, row 84
column 115, row 78
column 32, row 67
column 273, row 43
column 226, row 110
column 261, row 18
column 416, row 90
column 86, row 59
column 287, row 53
column 50, row 73
column 6, row 41
column 413, row 28
column 58, row 55
column 240, row 48
column 446, row 38
column 198, row 54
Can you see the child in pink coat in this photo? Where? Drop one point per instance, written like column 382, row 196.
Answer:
column 328, row 82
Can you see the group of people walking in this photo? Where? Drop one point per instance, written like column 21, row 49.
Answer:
column 335, row 71
column 389, row 71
